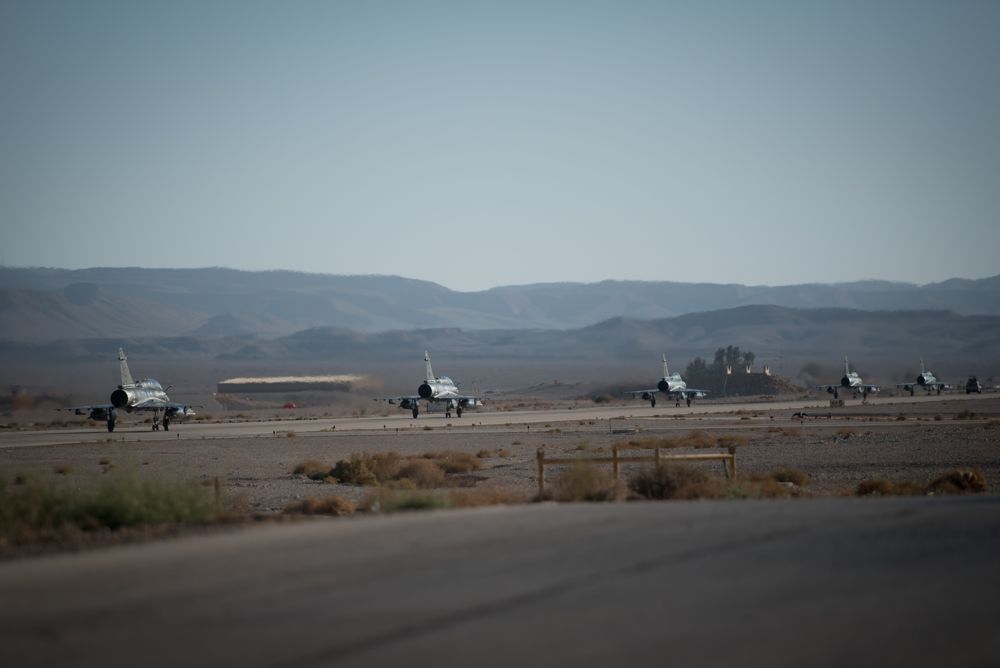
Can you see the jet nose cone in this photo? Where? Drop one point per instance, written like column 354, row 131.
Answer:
column 425, row 391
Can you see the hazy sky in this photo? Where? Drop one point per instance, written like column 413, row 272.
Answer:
column 484, row 143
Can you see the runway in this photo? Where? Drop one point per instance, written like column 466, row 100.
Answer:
column 906, row 581
column 130, row 429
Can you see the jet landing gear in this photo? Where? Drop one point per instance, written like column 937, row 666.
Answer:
column 111, row 424
column 156, row 421
column 416, row 412
column 689, row 402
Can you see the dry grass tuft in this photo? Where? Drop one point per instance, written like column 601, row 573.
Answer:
column 731, row 441
column 423, row 473
column 674, row 481
column 486, row 496
column 452, row 461
column 36, row 511
column 586, row 482
column 883, row 487
column 992, row 424
column 504, row 453
column 959, row 482
column 794, row 476
column 966, row 414
column 845, row 433
column 760, row 487
column 353, row 471
column 397, row 500
column 694, row 440
column 312, row 469
column 327, row 505
column 383, row 465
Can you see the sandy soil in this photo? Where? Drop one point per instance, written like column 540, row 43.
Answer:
column 836, row 449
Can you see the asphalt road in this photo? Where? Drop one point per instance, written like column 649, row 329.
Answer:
column 193, row 429
column 835, row 582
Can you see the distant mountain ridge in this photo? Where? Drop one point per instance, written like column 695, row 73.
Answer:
column 885, row 346
column 60, row 304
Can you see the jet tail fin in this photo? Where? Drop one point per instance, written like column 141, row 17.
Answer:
column 123, row 362
column 666, row 370
column 429, row 370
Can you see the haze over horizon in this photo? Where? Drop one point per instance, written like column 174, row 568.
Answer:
column 768, row 143
column 507, row 285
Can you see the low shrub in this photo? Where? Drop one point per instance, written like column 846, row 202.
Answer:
column 33, row 509
column 959, row 482
column 312, row 469
column 731, row 441
column 353, row 471
column 585, row 482
column 485, row 496
column 326, row 505
column 883, row 487
column 392, row 501
column 424, row 473
column 452, row 461
column 674, row 481
column 794, row 476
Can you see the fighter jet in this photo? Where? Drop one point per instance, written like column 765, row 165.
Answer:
column 671, row 385
column 851, row 381
column 144, row 395
column 437, row 389
column 926, row 380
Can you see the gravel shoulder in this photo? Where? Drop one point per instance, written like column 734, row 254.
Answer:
column 837, row 449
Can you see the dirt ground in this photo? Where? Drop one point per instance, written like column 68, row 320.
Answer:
column 837, row 451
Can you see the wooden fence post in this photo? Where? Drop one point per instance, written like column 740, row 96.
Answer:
column 540, row 456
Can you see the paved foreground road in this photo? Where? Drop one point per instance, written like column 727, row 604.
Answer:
column 836, row 582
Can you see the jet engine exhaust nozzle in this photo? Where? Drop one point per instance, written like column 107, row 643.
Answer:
column 119, row 398
column 425, row 391
column 663, row 386
column 845, row 382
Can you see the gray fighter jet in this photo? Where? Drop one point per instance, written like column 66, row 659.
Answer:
column 672, row 385
column 850, row 381
column 437, row 389
column 926, row 380
column 144, row 395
